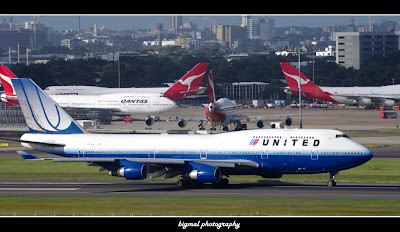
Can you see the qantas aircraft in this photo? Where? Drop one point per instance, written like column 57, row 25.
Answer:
column 221, row 113
column 383, row 95
column 188, row 85
column 269, row 153
column 151, row 102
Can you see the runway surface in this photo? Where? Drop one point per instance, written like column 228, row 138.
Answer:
column 169, row 189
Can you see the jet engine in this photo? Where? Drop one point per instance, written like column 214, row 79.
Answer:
column 364, row 101
column 149, row 121
column 132, row 171
column 182, row 123
column 205, row 173
column 211, row 107
column 387, row 102
column 288, row 121
column 260, row 123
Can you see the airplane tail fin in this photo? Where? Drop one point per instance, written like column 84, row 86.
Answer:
column 41, row 113
column 210, row 89
column 189, row 84
column 10, row 97
column 6, row 75
column 292, row 78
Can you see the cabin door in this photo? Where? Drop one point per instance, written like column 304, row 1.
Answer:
column 264, row 154
column 314, row 154
column 81, row 152
column 203, row 153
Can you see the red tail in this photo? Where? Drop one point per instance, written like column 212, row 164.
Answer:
column 6, row 75
column 10, row 97
column 189, row 84
column 292, row 78
column 210, row 89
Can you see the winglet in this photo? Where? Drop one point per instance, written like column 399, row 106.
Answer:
column 27, row 156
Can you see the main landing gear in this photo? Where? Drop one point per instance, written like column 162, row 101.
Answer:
column 332, row 181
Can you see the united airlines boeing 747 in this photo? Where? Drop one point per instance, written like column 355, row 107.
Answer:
column 269, row 153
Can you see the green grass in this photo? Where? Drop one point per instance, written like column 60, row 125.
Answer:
column 122, row 206
column 375, row 170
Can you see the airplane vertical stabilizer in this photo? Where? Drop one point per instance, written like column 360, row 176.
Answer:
column 211, row 92
column 292, row 77
column 41, row 113
column 188, row 84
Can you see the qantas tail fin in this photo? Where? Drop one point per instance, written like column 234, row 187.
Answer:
column 10, row 98
column 189, row 84
column 211, row 92
column 292, row 78
column 41, row 113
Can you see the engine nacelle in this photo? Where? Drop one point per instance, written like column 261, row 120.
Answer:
column 211, row 107
column 205, row 174
column 288, row 121
column 260, row 123
column 150, row 121
column 364, row 101
column 182, row 123
column 133, row 171
column 387, row 102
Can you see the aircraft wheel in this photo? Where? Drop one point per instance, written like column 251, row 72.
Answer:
column 331, row 183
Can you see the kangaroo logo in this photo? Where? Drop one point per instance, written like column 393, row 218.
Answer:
column 7, row 82
column 188, row 81
column 296, row 78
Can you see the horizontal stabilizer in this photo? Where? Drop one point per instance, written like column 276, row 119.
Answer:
column 27, row 156
column 51, row 144
column 287, row 90
column 197, row 91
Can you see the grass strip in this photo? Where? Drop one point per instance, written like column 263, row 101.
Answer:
column 122, row 206
column 374, row 171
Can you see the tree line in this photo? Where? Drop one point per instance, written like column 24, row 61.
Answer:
column 154, row 71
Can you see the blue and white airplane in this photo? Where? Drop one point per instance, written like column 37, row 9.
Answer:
column 269, row 153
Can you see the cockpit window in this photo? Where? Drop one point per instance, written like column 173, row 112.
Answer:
column 342, row 136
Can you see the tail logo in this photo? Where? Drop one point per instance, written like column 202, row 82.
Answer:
column 296, row 78
column 8, row 81
column 41, row 113
column 188, row 81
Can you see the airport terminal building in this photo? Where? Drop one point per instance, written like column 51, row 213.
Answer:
column 354, row 48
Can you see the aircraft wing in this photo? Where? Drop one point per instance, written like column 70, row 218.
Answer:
column 157, row 162
column 260, row 116
column 163, row 161
column 177, row 116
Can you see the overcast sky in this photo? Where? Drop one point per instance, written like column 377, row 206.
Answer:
column 122, row 22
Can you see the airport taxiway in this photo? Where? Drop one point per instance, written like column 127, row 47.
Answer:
column 168, row 189
column 354, row 120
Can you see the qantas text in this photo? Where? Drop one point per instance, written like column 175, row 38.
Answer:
column 134, row 101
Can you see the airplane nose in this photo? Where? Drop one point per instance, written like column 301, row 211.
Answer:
column 365, row 155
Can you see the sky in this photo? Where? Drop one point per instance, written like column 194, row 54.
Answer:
column 129, row 22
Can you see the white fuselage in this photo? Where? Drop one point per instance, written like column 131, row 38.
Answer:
column 274, row 150
column 386, row 95
column 95, row 90
column 118, row 103
column 388, row 90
